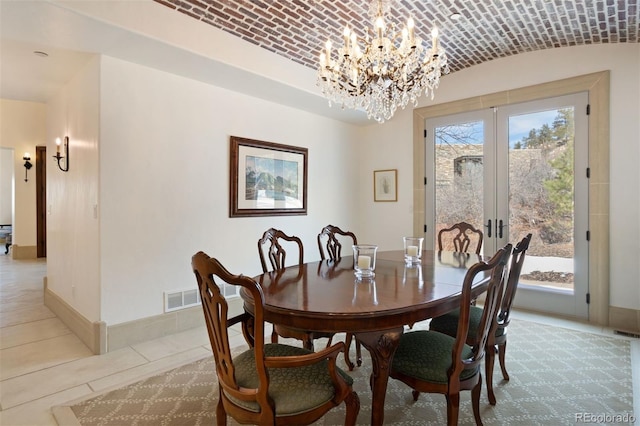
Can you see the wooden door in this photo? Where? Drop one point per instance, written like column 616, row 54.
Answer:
column 41, row 200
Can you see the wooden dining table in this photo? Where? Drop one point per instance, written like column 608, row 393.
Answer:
column 326, row 296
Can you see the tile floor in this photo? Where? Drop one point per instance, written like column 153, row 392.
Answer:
column 43, row 364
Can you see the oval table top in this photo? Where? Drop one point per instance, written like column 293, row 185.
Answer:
column 327, row 296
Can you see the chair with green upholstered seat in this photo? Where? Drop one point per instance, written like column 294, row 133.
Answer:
column 330, row 247
column 434, row 362
column 271, row 247
column 448, row 323
column 273, row 383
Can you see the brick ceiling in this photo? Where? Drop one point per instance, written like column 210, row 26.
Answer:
column 486, row 29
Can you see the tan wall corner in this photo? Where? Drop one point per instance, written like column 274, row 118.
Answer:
column 24, row 252
column 92, row 334
column 132, row 332
column 624, row 319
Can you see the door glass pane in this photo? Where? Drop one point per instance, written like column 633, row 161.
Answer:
column 459, row 173
column 541, row 194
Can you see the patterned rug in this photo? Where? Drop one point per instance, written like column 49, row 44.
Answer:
column 558, row 377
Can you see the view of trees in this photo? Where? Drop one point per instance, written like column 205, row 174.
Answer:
column 553, row 186
column 541, row 182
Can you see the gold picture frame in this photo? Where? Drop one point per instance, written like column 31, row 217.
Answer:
column 385, row 185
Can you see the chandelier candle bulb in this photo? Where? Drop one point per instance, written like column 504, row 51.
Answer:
column 412, row 37
column 346, row 39
column 58, row 142
column 380, row 26
column 434, row 39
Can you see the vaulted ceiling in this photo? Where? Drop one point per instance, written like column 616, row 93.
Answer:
column 472, row 32
column 269, row 48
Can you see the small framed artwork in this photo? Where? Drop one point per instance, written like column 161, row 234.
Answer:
column 385, row 185
column 267, row 179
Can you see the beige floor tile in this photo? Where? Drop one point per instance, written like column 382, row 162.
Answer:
column 22, row 298
column 564, row 322
column 33, row 331
column 19, row 390
column 42, row 354
column 174, row 344
column 38, row 412
column 26, row 314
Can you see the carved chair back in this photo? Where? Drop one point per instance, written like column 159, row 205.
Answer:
column 461, row 237
column 329, row 242
column 270, row 248
column 517, row 260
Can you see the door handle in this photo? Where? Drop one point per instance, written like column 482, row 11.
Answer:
column 500, row 226
column 488, row 226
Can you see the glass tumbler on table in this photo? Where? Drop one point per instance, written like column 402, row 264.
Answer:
column 412, row 249
column 364, row 260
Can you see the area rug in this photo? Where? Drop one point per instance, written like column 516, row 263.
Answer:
column 558, row 377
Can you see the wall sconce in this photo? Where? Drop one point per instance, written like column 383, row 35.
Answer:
column 59, row 157
column 27, row 165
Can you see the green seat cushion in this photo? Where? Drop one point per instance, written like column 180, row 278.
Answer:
column 426, row 355
column 294, row 390
column 448, row 323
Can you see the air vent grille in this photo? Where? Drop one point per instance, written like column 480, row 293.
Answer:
column 180, row 299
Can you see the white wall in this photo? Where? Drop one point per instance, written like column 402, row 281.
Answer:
column 73, row 262
column 22, row 127
column 164, row 174
column 164, row 182
column 382, row 147
column 390, row 145
column 6, row 185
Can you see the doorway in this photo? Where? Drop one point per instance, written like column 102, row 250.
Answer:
column 41, row 200
column 513, row 170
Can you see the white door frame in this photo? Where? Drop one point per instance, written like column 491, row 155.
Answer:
column 597, row 84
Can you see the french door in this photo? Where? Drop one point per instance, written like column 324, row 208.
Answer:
column 514, row 170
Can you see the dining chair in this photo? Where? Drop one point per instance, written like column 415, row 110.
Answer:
column 329, row 243
column 268, row 383
column 330, row 247
column 460, row 237
column 272, row 242
column 433, row 362
column 448, row 323
column 271, row 248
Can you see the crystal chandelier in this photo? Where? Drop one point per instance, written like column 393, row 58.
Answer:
column 392, row 70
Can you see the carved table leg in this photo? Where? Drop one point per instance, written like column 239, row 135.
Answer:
column 381, row 345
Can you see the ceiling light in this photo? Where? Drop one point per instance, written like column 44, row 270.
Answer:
column 393, row 69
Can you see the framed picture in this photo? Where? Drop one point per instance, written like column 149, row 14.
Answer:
column 385, row 185
column 267, row 179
